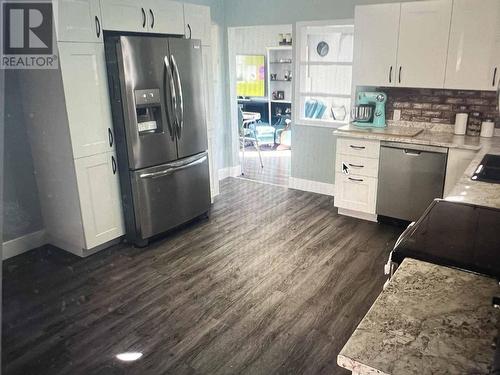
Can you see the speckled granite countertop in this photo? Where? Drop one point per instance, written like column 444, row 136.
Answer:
column 429, row 320
column 477, row 192
column 432, row 136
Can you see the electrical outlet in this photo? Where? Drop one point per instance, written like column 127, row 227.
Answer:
column 397, row 115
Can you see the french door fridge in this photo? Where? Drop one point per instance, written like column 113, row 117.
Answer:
column 155, row 85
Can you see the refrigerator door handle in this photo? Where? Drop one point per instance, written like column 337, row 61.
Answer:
column 180, row 119
column 172, row 169
column 173, row 99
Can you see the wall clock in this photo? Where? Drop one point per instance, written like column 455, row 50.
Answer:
column 322, row 48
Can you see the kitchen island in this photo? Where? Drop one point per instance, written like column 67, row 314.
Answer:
column 429, row 319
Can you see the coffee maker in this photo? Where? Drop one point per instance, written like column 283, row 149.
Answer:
column 369, row 110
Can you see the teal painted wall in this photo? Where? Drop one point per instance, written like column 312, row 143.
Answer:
column 273, row 12
column 313, row 153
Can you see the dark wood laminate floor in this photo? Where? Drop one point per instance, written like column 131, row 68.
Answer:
column 274, row 283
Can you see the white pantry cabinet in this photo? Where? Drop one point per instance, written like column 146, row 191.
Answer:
column 83, row 69
column 78, row 20
column 423, row 43
column 473, row 61
column 100, row 201
column 376, row 31
column 206, row 56
column 197, row 22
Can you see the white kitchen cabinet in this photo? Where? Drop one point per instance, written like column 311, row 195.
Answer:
column 358, row 165
column 376, row 31
column 83, row 69
column 358, row 147
column 423, row 43
column 78, row 20
column 99, row 196
column 165, row 17
column 124, row 15
column 197, row 22
column 473, row 50
column 154, row 16
column 356, row 192
column 208, row 91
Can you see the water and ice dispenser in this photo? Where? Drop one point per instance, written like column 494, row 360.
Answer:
column 149, row 111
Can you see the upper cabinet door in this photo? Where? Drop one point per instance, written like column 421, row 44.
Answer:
column 376, row 29
column 83, row 69
column 78, row 21
column 423, row 43
column 124, row 15
column 197, row 23
column 472, row 54
column 165, row 17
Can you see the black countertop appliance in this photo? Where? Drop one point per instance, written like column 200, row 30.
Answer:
column 453, row 234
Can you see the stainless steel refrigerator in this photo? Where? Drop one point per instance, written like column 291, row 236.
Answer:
column 155, row 85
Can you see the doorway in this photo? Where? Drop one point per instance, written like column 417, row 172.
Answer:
column 261, row 86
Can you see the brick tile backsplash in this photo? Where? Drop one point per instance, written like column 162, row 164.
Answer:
column 439, row 106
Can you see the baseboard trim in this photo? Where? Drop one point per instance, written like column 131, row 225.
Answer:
column 311, row 186
column 358, row 214
column 229, row 172
column 23, row 244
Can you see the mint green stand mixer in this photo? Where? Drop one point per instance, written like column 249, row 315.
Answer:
column 369, row 111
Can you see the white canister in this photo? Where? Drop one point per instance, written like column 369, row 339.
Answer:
column 487, row 128
column 461, row 123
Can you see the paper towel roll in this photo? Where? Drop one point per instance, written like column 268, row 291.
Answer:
column 461, row 123
column 487, row 129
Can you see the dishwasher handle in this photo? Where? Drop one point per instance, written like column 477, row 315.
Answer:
column 411, row 152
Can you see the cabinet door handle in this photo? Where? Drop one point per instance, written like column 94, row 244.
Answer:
column 190, row 31
column 152, row 18
column 390, row 75
column 399, row 79
column 494, row 76
column 357, row 147
column 356, row 165
column 143, row 18
column 356, row 179
column 113, row 164
column 110, row 137
column 98, row 26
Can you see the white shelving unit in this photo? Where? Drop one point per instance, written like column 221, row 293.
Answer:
column 323, row 87
column 279, row 62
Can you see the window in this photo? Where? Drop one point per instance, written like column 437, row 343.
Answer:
column 324, row 55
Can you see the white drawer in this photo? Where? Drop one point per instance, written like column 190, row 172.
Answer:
column 358, row 147
column 362, row 166
column 355, row 192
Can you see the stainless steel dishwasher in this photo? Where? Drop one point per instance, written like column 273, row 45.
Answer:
column 410, row 178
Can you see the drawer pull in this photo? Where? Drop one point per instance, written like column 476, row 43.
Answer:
column 356, row 165
column 357, row 147
column 356, row 179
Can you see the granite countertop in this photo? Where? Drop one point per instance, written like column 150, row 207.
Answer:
column 429, row 319
column 478, row 192
column 431, row 135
